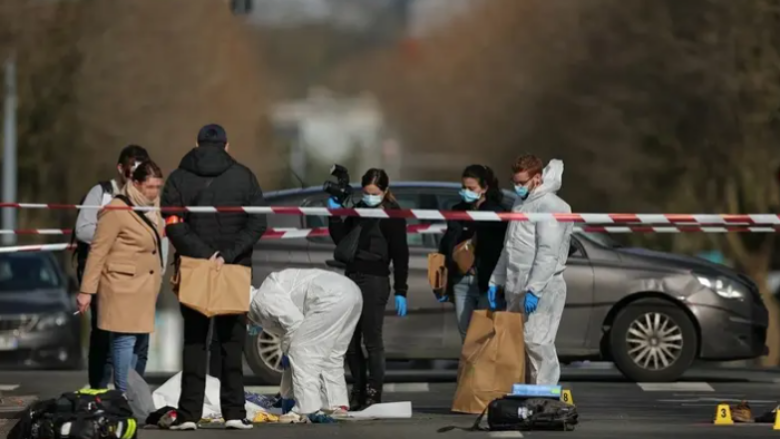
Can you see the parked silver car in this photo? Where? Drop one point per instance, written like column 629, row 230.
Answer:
column 651, row 313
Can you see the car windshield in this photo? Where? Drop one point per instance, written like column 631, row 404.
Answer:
column 602, row 239
column 26, row 271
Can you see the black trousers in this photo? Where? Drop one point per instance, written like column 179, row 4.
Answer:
column 369, row 371
column 99, row 367
column 230, row 333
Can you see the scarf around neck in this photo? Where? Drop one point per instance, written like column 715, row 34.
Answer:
column 140, row 200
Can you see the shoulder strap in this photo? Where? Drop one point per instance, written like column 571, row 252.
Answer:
column 149, row 223
column 474, row 427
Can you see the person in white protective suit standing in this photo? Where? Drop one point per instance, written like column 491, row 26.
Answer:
column 531, row 265
column 314, row 312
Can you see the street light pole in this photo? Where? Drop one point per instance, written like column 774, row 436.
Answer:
column 9, row 150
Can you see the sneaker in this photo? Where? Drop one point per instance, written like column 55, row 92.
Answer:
column 183, row 425
column 293, row 418
column 742, row 413
column 374, row 396
column 338, row 412
column 239, row 424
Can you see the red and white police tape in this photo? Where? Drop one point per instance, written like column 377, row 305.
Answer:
column 292, row 233
column 285, row 233
column 443, row 215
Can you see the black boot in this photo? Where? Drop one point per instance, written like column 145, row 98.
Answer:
column 357, row 398
column 373, row 396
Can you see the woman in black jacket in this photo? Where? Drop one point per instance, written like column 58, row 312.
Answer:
column 469, row 290
column 380, row 242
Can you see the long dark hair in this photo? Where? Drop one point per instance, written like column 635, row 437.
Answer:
column 379, row 178
column 487, row 180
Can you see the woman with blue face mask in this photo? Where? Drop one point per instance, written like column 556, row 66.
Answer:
column 380, row 243
column 480, row 192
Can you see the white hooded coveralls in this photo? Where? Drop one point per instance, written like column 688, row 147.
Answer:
column 314, row 312
column 533, row 259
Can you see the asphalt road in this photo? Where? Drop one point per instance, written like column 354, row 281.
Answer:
column 608, row 407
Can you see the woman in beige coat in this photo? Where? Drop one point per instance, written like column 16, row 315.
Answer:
column 125, row 267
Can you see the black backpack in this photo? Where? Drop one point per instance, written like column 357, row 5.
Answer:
column 86, row 414
column 524, row 414
column 81, row 249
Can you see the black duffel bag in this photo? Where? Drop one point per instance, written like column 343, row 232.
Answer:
column 525, row 414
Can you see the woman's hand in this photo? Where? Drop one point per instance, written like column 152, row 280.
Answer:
column 82, row 301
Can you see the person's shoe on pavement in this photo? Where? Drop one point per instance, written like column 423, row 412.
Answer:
column 183, row 425
column 374, row 397
column 357, row 398
column 239, row 424
column 742, row 413
column 293, row 418
column 337, row 412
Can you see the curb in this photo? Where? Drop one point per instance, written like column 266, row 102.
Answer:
column 12, row 406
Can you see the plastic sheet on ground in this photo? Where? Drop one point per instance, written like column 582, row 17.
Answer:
column 168, row 395
column 386, row 410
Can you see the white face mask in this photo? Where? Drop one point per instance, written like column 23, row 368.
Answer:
column 372, row 200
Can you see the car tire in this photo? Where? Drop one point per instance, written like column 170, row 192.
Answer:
column 653, row 341
column 264, row 362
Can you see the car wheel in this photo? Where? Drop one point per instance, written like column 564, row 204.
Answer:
column 653, row 341
column 263, row 353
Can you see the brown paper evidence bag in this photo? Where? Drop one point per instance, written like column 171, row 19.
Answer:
column 491, row 361
column 212, row 290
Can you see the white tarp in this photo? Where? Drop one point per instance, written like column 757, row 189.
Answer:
column 168, row 395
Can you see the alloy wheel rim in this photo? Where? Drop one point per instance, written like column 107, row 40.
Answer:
column 270, row 350
column 655, row 341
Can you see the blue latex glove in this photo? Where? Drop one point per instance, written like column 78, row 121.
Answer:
column 287, row 405
column 333, row 204
column 400, row 305
column 492, row 292
column 531, row 302
column 285, row 362
column 443, row 299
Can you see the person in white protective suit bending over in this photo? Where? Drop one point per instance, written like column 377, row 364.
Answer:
column 314, row 312
column 531, row 265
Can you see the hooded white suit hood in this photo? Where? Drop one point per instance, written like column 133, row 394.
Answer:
column 533, row 259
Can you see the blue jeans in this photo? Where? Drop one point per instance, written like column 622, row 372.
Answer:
column 128, row 351
column 468, row 299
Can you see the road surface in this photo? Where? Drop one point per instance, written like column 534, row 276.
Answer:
column 608, row 407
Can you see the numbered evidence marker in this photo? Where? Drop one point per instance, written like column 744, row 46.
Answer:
column 777, row 419
column 566, row 397
column 723, row 415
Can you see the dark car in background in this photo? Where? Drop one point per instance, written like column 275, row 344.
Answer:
column 652, row 313
column 37, row 325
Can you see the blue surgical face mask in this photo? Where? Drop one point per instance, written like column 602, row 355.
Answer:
column 469, row 196
column 372, row 200
column 521, row 191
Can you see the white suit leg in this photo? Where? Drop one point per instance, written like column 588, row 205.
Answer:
column 334, row 385
column 541, row 327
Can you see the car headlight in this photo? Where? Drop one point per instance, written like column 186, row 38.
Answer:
column 51, row 321
column 723, row 288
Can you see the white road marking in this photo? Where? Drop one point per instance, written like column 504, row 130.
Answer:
column 406, row 388
column 388, row 388
column 676, row 387
column 717, row 400
column 505, row 434
column 8, row 387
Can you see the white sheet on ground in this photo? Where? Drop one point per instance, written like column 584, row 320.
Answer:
column 168, row 395
column 385, row 410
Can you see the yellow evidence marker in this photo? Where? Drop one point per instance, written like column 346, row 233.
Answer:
column 566, row 397
column 777, row 419
column 723, row 415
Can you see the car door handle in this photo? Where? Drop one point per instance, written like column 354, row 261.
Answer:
column 335, row 264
